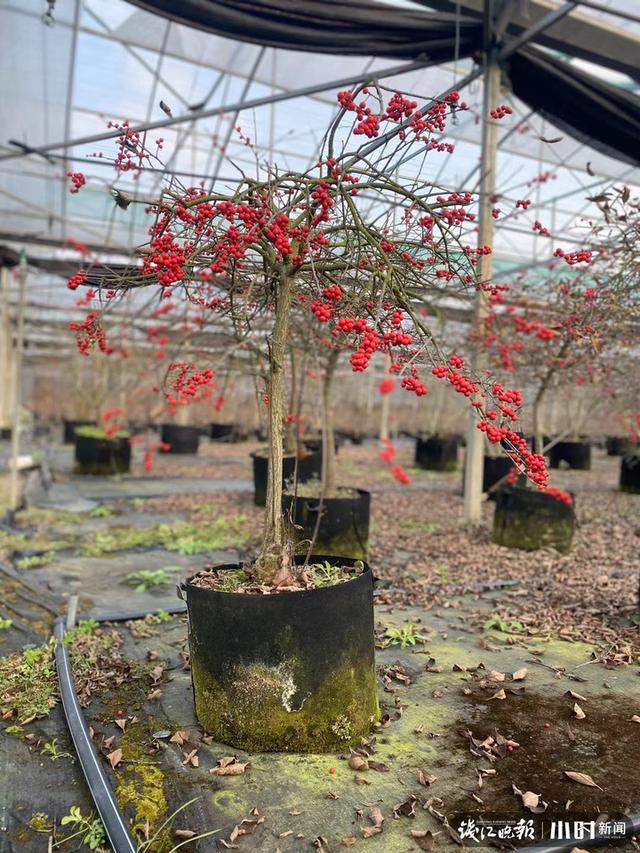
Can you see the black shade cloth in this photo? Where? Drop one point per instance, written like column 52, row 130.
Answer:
column 602, row 116
column 346, row 27
column 595, row 113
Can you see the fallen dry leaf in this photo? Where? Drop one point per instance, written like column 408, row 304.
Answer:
column 581, row 778
column 184, row 833
column 360, row 780
column 519, row 675
column 229, row 766
column 635, row 719
column 114, row 758
column 579, row 713
column 423, row 838
column 499, row 695
column 179, row 737
column 357, row 762
column 425, row 778
column 494, row 675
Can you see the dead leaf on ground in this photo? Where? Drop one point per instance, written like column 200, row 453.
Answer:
column 191, row 758
column 377, row 819
column 179, row 737
column 579, row 713
column 425, row 778
column 380, row 766
column 574, row 695
column 494, row 675
column 360, row 780
column 229, row 766
column 184, row 833
column 357, row 762
column 635, row 719
column 114, row 758
column 499, row 695
column 423, row 838
column 519, row 674
column 581, row 778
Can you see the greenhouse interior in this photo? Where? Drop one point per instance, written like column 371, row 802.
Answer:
column 319, row 425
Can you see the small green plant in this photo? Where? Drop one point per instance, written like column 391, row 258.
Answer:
column 14, row 730
column 90, row 828
column 324, row 574
column 102, row 511
column 5, row 624
column 54, row 752
column 149, row 846
column 99, row 433
column 408, row 635
column 136, row 503
column 505, row 625
column 36, row 561
column 82, row 629
column 146, row 579
column 160, row 617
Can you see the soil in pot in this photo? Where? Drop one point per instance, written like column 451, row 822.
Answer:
column 314, row 443
column 617, row 445
column 528, row 519
column 101, row 456
column 309, row 466
column 69, row 429
column 630, row 473
column 436, row 453
column 181, row 439
column 288, row 671
column 574, row 454
column 344, row 519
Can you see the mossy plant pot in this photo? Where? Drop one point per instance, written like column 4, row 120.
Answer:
column 181, row 439
column 575, row 454
column 288, row 672
column 102, row 456
column 343, row 530
column 309, row 466
column 630, row 473
column 436, row 453
column 69, row 430
column 617, row 445
column 221, row 432
column 528, row 519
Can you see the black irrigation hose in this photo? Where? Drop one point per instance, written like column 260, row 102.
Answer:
column 111, row 816
column 119, row 616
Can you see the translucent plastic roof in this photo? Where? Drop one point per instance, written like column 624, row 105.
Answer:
column 106, row 60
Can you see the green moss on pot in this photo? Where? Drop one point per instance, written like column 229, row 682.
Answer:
column 99, row 433
column 530, row 520
column 255, row 711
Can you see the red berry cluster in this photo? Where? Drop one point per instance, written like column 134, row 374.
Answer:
column 387, row 386
column 413, row 383
column 542, row 231
column 523, row 203
column 78, row 180
column 559, row 495
column 573, row 258
column 76, row 280
column 188, row 384
column 90, row 332
column 501, row 111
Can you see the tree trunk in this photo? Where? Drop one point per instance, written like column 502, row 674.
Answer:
column 274, row 560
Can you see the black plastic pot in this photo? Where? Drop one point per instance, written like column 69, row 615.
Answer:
column 289, row 672
column 69, row 427
column 528, row 519
column 437, row 454
column 630, row 473
column 5, row 433
column 314, row 443
column 353, row 436
column 102, row 456
column 344, row 523
column 182, row 439
column 495, row 469
column 617, row 445
column 576, row 454
column 309, row 466
column 221, row 432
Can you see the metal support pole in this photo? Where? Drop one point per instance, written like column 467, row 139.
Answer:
column 474, row 458
column 14, row 495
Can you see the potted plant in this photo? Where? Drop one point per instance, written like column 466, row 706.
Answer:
column 101, row 451
column 282, row 646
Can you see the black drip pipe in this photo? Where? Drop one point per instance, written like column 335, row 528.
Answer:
column 111, row 816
